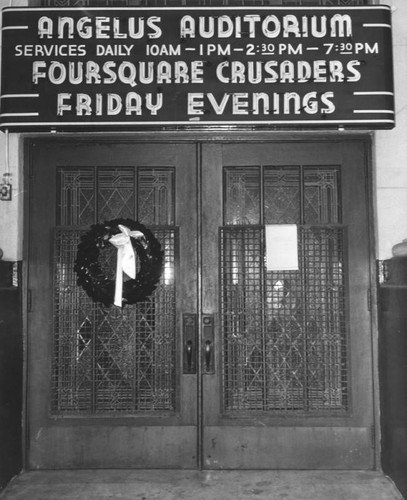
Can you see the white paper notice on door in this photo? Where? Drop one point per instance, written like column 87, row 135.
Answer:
column 281, row 247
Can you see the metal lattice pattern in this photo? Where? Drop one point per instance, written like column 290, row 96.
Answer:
column 156, row 196
column 321, row 204
column 242, row 319
column 291, row 195
column 87, row 195
column 284, row 332
column 111, row 360
column 243, row 196
column 323, row 254
column 115, row 193
column 282, row 195
column 77, row 200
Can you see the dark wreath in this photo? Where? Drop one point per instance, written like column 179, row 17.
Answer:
column 93, row 280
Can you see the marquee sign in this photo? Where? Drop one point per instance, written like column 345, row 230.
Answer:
column 134, row 68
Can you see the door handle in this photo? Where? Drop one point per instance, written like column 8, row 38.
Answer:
column 208, row 355
column 188, row 349
column 189, row 342
column 208, row 342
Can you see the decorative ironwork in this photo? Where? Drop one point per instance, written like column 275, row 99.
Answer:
column 76, row 197
column 110, row 361
column 115, row 193
column 242, row 196
column 321, row 204
column 325, row 315
column 283, row 189
column 156, row 196
column 282, row 195
column 284, row 333
column 242, row 318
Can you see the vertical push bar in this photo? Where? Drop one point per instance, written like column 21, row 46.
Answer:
column 208, row 344
column 189, row 343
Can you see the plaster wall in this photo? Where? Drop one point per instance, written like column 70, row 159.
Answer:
column 389, row 153
column 390, row 149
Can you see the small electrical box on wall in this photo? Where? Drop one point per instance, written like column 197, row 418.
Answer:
column 5, row 188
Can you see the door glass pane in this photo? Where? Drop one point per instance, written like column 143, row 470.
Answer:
column 282, row 195
column 76, row 190
column 284, row 332
column 110, row 360
column 242, row 196
column 321, row 189
column 115, row 193
column 156, row 196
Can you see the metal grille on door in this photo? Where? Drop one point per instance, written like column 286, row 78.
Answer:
column 113, row 360
column 284, row 332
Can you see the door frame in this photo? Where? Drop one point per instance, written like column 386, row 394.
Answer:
column 200, row 138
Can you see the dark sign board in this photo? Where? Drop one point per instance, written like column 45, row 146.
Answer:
column 244, row 66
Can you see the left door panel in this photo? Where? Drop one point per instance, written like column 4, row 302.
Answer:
column 105, row 385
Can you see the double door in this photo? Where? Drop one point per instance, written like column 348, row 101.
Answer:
column 231, row 362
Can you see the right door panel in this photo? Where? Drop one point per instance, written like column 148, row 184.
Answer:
column 293, row 385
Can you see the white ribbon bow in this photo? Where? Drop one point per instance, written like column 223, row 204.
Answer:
column 126, row 260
